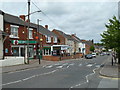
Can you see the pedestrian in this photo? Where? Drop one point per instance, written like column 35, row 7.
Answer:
column 112, row 61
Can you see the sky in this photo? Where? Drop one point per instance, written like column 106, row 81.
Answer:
column 86, row 19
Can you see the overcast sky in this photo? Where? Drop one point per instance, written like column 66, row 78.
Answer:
column 85, row 19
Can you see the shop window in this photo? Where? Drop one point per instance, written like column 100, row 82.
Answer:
column 15, row 51
column 47, row 52
column 14, row 31
column 31, row 52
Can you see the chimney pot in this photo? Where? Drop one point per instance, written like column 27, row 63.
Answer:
column 46, row 26
column 22, row 17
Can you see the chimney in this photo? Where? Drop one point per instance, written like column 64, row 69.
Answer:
column 46, row 26
column 22, row 17
column 73, row 35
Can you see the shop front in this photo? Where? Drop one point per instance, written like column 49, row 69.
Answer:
column 19, row 48
column 60, row 50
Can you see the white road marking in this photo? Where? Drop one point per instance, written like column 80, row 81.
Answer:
column 11, row 82
column 89, row 65
column 80, row 64
column 29, row 78
column 87, row 81
column 59, row 67
column 49, row 66
column 68, row 66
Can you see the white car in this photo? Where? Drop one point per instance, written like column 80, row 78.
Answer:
column 94, row 54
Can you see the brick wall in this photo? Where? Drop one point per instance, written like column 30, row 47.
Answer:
column 60, row 37
column 51, row 58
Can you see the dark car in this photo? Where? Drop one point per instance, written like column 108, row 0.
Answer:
column 88, row 56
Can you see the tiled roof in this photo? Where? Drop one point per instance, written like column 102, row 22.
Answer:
column 18, row 21
column 69, row 37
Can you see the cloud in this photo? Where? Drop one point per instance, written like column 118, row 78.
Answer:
column 86, row 19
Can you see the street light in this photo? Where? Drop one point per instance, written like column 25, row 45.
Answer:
column 33, row 12
column 28, row 29
column 28, row 34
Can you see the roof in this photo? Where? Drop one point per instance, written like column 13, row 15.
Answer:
column 69, row 37
column 88, row 43
column 1, row 12
column 46, row 31
column 18, row 21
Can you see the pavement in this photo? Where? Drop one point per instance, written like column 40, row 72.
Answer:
column 110, row 71
column 110, row 75
column 32, row 64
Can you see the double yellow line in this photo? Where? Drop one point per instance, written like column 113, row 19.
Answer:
column 109, row 77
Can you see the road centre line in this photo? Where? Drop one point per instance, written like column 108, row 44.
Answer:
column 87, row 81
column 29, row 78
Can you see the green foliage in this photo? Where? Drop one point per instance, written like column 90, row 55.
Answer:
column 111, row 37
column 92, row 48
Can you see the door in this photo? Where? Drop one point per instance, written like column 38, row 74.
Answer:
column 22, row 51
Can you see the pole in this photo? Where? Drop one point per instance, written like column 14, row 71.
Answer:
column 38, row 41
column 28, row 31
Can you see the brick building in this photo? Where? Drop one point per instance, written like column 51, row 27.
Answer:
column 16, row 43
column 69, row 40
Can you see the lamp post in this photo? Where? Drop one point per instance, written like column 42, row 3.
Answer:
column 28, row 29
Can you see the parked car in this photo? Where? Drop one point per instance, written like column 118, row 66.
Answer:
column 88, row 56
column 102, row 54
column 94, row 54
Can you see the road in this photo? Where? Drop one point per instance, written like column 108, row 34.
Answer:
column 83, row 73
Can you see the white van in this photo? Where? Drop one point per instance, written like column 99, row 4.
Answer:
column 94, row 54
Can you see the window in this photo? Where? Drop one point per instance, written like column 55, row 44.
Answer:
column 30, row 33
column 55, row 39
column 48, row 39
column 15, row 51
column 47, row 52
column 14, row 31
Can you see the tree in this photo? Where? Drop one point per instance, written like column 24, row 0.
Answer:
column 92, row 48
column 111, row 37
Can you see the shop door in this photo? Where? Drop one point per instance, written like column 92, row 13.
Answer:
column 22, row 52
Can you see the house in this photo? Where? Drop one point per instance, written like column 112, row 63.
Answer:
column 17, row 43
column 71, row 42
column 65, row 39
column 87, row 44
column 84, row 45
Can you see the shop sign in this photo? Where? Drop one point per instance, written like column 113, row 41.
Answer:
column 23, row 42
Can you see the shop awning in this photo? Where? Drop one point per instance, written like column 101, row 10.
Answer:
column 63, row 47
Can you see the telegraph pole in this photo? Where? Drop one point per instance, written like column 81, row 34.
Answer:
column 28, row 31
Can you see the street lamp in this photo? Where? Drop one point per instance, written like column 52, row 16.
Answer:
column 28, row 33
column 28, row 29
column 33, row 12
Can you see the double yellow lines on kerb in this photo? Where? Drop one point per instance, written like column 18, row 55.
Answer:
column 109, row 77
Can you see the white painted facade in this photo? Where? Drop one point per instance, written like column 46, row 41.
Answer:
column 82, row 47
column 1, row 39
column 9, row 61
column 71, row 44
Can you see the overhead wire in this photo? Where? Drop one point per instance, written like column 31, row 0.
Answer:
column 47, row 16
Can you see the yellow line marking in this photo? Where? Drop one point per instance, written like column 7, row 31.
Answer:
column 109, row 78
